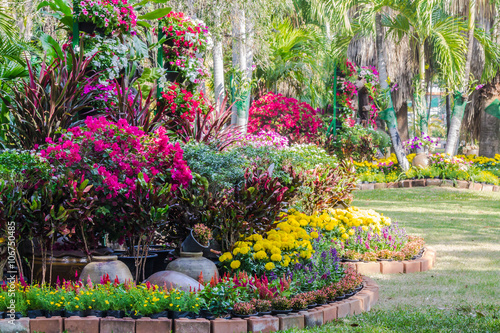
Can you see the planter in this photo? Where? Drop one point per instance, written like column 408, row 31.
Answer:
column 135, row 316
column 163, row 253
column 339, row 298
column 472, row 152
column 192, row 264
column 266, row 313
column 55, row 313
column 88, row 27
column 277, row 312
column 130, row 262
column 312, row 306
column 115, row 313
column 95, row 313
column 421, row 160
column 180, row 314
column 244, row 316
column 190, row 244
column 298, row 310
column 349, row 294
column 206, row 314
column 102, row 265
column 68, row 314
column 159, row 314
column 32, row 314
column 65, row 267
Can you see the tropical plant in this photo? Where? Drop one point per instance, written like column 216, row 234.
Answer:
column 48, row 102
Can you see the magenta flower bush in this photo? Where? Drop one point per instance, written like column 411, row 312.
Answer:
column 112, row 155
column 286, row 116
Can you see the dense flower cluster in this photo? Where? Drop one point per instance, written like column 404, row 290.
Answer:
column 288, row 243
column 287, row 116
column 187, row 40
column 261, row 139
column 420, row 143
column 112, row 155
column 109, row 56
column 108, row 15
column 182, row 103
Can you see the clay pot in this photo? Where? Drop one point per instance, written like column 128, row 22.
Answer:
column 102, row 265
column 173, row 279
column 65, row 267
column 192, row 264
column 421, row 160
column 472, row 152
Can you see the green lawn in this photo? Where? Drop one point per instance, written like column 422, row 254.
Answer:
column 462, row 292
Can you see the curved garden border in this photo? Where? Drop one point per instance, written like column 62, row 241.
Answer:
column 425, row 263
column 463, row 184
column 361, row 302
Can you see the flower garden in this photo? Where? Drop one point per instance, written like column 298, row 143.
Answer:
column 134, row 199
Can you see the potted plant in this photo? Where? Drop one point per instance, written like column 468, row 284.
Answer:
column 299, row 303
column 281, row 305
column 244, row 310
column 262, row 306
column 198, row 239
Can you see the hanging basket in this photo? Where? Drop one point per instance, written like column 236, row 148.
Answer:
column 88, row 27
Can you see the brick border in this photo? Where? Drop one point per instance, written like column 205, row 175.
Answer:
column 425, row 263
column 410, row 183
column 359, row 303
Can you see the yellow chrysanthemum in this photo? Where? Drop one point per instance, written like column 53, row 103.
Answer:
column 235, row 264
column 270, row 266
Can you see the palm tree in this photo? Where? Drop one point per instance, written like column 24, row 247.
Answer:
column 429, row 27
column 492, row 63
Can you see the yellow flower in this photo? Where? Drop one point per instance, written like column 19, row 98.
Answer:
column 235, row 264
column 276, row 257
column 351, row 232
column 314, row 234
column 106, row 301
column 244, row 250
column 77, row 306
column 270, row 266
column 236, row 251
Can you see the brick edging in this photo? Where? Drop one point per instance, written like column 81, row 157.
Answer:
column 425, row 263
column 360, row 302
column 463, row 184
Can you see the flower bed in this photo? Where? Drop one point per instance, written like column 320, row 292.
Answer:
column 361, row 302
column 441, row 166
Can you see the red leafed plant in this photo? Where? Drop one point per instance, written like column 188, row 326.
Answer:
column 287, row 116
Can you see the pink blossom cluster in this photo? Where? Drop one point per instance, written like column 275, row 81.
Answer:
column 185, row 41
column 183, row 103
column 261, row 139
column 112, row 155
column 420, row 143
column 286, row 116
column 108, row 15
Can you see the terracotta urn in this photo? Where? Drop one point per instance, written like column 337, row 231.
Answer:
column 421, row 160
column 192, row 264
column 102, row 265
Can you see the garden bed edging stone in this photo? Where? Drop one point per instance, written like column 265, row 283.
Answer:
column 361, row 302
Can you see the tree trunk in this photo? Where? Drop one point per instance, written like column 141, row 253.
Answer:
column 236, row 55
column 422, row 101
column 448, row 112
column 218, row 68
column 458, row 111
column 242, row 120
column 382, row 68
column 489, row 136
column 402, row 117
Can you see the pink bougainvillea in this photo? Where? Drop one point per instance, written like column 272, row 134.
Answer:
column 111, row 155
column 287, row 116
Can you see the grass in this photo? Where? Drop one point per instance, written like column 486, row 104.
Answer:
column 462, row 292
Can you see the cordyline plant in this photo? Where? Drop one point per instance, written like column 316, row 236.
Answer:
column 325, row 187
column 49, row 101
column 137, row 108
